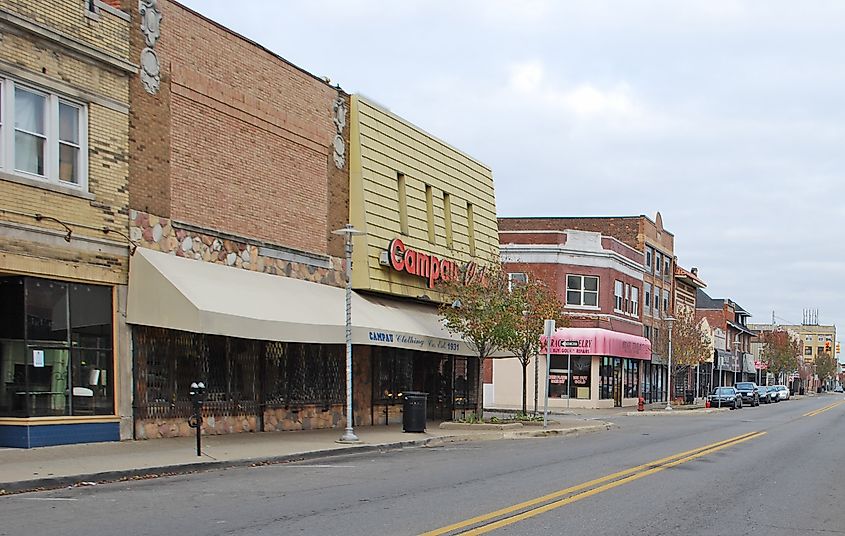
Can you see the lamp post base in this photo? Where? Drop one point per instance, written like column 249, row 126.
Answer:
column 348, row 437
column 668, row 407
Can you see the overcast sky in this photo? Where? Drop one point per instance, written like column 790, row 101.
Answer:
column 726, row 116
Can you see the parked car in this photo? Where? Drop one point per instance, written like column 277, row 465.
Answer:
column 767, row 395
column 725, row 397
column 782, row 391
column 749, row 392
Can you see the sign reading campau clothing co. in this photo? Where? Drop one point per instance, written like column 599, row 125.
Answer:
column 429, row 267
column 403, row 340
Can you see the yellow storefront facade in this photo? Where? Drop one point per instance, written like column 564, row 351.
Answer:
column 427, row 212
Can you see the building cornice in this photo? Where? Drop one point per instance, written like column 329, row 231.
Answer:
column 551, row 254
column 10, row 19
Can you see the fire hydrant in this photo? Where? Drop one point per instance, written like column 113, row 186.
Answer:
column 641, row 404
column 707, row 403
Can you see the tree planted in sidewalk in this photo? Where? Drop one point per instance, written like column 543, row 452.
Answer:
column 690, row 342
column 825, row 366
column 534, row 303
column 780, row 351
column 480, row 310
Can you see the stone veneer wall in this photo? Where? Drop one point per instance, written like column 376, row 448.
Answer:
column 162, row 234
column 275, row 419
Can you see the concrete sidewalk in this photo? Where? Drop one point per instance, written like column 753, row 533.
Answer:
column 69, row 465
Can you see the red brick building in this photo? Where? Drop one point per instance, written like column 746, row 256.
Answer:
column 648, row 237
column 599, row 279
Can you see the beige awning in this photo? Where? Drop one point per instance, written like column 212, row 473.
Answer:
column 173, row 292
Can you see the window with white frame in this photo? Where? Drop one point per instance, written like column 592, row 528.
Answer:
column 808, row 338
column 666, row 301
column 515, row 279
column 627, row 298
column 808, row 350
column 582, row 290
column 647, row 301
column 43, row 135
column 635, row 301
column 658, row 263
column 649, row 256
column 667, row 271
column 619, row 299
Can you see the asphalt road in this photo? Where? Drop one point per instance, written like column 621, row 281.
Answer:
column 773, row 470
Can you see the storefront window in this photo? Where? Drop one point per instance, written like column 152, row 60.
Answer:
column 632, row 378
column 580, row 387
column 56, row 353
column 241, row 375
column 607, row 383
column 394, row 371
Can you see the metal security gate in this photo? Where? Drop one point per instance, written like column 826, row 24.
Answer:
column 243, row 377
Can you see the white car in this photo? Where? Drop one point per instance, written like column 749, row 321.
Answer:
column 782, row 392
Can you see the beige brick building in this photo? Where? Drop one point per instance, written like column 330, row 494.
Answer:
column 64, row 137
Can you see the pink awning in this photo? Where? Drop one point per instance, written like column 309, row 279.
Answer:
column 597, row 341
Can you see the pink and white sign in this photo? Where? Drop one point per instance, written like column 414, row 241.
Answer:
column 597, row 341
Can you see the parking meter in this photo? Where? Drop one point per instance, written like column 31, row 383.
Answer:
column 197, row 393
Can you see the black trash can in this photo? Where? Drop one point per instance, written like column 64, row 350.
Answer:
column 689, row 397
column 413, row 411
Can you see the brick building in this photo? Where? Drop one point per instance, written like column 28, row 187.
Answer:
column 242, row 165
column 656, row 244
column 599, row 279
column 65, row 67
column 234, row 179
column 696, row 379
column 726, row 321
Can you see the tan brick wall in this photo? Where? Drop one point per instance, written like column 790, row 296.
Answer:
column 108, row 33
column 237, row 140
column 108, row 132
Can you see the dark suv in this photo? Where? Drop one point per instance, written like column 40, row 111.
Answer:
column 749, row 392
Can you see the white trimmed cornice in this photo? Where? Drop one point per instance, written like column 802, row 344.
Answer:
column 560, row 254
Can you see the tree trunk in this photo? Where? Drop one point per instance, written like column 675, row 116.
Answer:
column 536, row 383
column 479, row 396
column 524, row 387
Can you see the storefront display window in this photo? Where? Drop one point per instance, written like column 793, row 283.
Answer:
column 56, row 353
column 241, row 375
column 580, row 387
column 632, row 378
column 609, row 377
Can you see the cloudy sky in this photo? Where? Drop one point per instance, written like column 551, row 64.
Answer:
column 726, row 116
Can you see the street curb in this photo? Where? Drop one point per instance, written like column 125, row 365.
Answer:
column 123, row 475
column 559, row 431
column 479, row 426
column 675, row 413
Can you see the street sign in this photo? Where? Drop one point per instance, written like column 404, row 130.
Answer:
column 569, row 344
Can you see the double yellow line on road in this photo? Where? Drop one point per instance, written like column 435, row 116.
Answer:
column 822, row 410
column 518, row 512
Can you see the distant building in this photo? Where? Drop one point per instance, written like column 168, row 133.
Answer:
column 815, row 339
column 697, row 379
column 731, row 336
